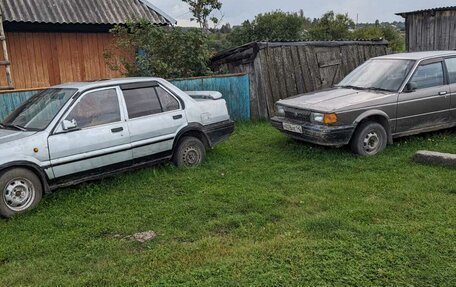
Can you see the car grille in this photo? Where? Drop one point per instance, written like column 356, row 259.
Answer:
column 298, row 115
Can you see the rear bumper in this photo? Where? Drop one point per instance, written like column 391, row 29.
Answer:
column 316, row 134
column 219, row 132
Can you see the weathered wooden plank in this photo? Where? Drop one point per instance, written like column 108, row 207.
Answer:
column 257, row 94
column 313, row 67
column 264, row 78
column 290, row 78
column 280, row 72
column 297, row 70
column 273, row 74
column 307, row 73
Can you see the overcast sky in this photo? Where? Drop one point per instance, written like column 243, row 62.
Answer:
column 236, row 11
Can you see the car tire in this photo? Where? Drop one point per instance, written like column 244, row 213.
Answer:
column 21, row 191
column 369, row 139
column 190, row 152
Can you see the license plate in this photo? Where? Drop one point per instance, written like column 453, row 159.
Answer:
column 292, row 128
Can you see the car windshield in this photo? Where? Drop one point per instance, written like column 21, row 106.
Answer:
column 37, row 112
column 378, row 74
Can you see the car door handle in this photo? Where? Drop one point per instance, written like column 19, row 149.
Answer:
column 176, row 117
column 117, row 130
column 443, row 93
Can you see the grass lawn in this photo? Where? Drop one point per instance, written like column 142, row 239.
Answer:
column 262, row 211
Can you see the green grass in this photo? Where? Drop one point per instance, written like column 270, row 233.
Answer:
column 263, row 210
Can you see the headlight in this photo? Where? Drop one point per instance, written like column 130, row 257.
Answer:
column 317, row 117
column 280, row 111
column 323, row 118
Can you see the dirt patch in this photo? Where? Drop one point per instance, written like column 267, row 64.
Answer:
column 143, row 236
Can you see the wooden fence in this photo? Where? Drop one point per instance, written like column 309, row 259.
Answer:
column 40, row 59
column 279, row 70
column 234, row 88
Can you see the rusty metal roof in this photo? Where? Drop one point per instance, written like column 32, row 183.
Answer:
column 403, row 14
column 82, row 11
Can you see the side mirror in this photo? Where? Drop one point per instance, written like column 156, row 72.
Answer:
column 69, row 125
column 410, row 87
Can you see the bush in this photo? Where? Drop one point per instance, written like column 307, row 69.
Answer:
column 394, row 37
column 276, row 25
column 143, row 49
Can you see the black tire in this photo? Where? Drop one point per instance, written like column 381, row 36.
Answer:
column 21, row 190
column 190, row 152
column 370, row 138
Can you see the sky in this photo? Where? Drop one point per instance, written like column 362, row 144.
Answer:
column 236, row 11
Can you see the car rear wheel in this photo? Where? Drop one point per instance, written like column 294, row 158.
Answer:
column 21, row 191
column 190, row 152
column 369, row 139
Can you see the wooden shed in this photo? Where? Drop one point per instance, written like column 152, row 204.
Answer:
column 431, row 29
column 54, row 41
column 282, row 69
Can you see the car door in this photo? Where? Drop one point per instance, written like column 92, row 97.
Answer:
column 451, row 68
column 92, row 136
column 429, row 104
column 155, row 116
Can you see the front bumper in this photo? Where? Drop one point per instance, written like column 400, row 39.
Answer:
column 219, row 132
column 316, row 134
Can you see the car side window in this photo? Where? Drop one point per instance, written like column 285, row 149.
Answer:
column 451, row 67
column 142, row 102
column 96, row 108
column 168, row 102
column 149, row 101
column 430, row 75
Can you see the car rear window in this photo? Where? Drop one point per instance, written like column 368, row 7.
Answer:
column 149, row 101
column 142, row 102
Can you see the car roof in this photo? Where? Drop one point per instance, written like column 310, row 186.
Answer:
column 104, row 83
column 418, row 55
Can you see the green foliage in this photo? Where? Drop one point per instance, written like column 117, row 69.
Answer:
column 392, row 35
column 271, row 26
column 263, row 210
column 202, row 10
column 162, row 51
column 294, row 26
column 218, row 41
column 331, row 26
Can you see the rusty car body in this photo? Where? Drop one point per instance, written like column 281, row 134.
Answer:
column 386, row 97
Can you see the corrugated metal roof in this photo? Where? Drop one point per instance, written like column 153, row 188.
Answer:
column 427, row 10
column 82, row 11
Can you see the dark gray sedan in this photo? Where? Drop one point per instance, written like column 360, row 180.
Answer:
column 386, row 97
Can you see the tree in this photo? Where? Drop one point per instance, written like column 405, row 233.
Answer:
column 202, row 11
column 271, row 26
column 331, row 26
column 391, row 34
column 161, row 51
column 226, row 29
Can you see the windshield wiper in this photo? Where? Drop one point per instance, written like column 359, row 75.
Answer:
column 17, row 127
column 379, row 89
column 352, row 87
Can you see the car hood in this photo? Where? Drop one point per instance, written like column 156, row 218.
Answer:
column 338, row 99
column 7, row 136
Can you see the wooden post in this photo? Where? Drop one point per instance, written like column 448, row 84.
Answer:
column 5, row 62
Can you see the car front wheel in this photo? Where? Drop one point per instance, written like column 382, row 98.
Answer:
column 21, row 191
column 190, row 152
column 369, row 139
